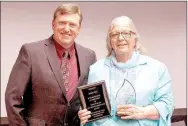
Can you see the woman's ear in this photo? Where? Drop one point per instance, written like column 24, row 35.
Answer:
column 136, row 43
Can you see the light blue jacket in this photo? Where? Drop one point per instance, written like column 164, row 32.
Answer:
column 151, row 82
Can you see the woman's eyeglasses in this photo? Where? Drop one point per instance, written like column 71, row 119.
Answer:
column 125, row 34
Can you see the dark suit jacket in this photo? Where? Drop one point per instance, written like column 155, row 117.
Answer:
column 35, row 93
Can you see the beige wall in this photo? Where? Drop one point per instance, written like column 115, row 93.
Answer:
column 162, row 28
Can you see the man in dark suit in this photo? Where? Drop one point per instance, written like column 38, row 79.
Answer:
column 42, row 87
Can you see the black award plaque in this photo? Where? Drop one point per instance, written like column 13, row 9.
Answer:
column 94, row 97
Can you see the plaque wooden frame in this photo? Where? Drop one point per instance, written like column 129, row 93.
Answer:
column 94, row 97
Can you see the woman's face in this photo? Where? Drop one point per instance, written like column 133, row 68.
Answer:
column 122, row 39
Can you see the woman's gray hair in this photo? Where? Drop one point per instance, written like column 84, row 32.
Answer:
column 128, row 21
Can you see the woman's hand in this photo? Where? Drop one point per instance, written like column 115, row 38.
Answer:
column 84, row 115
column 131, row 112
column 135, row 112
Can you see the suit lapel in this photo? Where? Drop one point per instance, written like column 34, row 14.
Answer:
column 81, row 63
column 53, row 61
column 81, row 66
column 55, row 66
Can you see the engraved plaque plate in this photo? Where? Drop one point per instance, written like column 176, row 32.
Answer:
column 94, row 97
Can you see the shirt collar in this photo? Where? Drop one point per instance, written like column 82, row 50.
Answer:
column 60, row 49
column 133, row 62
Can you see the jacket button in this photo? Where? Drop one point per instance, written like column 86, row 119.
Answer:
column 65, row 124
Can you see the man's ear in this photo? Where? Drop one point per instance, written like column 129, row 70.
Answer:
column 53, row 24
column 79, row 30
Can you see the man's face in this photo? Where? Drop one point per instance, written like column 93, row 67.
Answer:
column 122, row 39
column 66, row 27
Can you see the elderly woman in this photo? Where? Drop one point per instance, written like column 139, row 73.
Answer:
column 139, row 87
